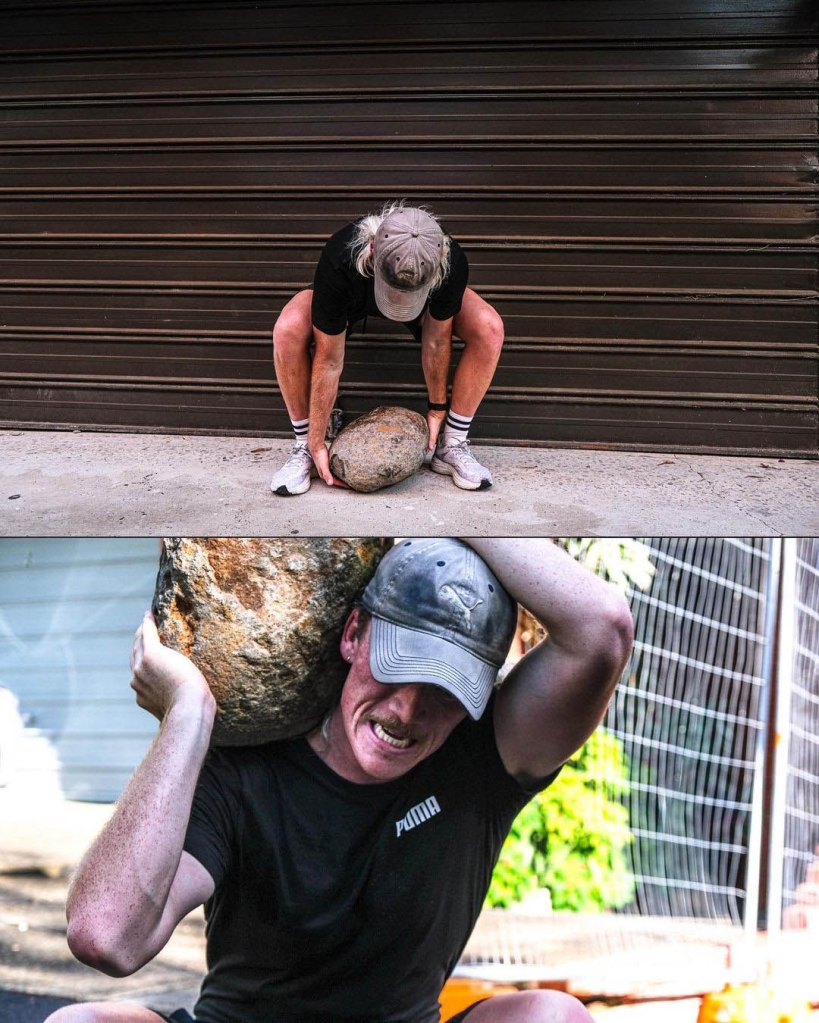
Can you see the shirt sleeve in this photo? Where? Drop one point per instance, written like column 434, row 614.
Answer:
column 331, row 294
column 501, row 787
column 446, row 301
column 212, row 827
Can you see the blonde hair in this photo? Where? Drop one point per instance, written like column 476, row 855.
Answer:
column 366, row 230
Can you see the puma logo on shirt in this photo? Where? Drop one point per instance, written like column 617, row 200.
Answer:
column 417, row 814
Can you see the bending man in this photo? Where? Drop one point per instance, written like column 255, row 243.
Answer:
column 343, row 871
column 400, row 265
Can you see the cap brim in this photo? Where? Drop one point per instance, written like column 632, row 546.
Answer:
column 404, row 656
column 399, row 305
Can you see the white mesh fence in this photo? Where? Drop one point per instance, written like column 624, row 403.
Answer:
column 800, row 864
column 690, row 713
column 727, row 638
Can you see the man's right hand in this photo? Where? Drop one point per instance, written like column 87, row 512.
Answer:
column 321, row 460
column 162, row 677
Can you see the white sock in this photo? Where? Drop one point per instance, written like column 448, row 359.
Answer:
column 456, row 427
column 300, row 427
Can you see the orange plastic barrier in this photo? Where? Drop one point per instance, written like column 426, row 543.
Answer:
column 747, row 1003
column 461, row 992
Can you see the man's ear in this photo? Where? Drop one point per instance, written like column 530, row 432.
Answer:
column 349, row 638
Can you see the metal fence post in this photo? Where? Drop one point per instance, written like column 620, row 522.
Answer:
column 782, row 679
column 756, row 834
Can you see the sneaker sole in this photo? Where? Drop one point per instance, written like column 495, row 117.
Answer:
column 282, row 491
column 460, row 481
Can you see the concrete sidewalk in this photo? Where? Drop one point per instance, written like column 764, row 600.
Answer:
column 86, row 483
column 42, row 840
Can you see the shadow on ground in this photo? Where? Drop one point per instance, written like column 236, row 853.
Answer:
column 35, row 959
column 18, row 1008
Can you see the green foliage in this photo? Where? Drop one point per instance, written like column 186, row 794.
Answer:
column 572, row 838
column 621, row 560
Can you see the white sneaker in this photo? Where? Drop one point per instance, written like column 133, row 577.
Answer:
column 457, row 461
column 294, row 476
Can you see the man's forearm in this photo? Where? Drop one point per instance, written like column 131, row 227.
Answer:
column 119, row 893
column 323, row 393
column 573, row 604
column 436, row 352
column 328, row 363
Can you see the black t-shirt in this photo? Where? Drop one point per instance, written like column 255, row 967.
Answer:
column 336, row 901
column 341, row 295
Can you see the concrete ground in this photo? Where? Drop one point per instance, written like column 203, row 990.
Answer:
column 41, row 842
column 88, row 483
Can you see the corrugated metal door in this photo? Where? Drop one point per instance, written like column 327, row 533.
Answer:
column 68, row 611
column 634, row 182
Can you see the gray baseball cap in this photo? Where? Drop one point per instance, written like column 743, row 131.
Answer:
column 439, row 615
column 407, row 254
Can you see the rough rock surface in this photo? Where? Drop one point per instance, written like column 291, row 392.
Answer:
column 261, row 618
column 380, row 448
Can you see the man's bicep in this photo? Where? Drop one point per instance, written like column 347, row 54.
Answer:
column 328, row 358
column 447, row 300
column 192, row 886
column 329, row 344
column 435, row 332
column 547, row 707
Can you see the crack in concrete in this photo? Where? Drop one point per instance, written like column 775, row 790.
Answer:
column 683, row 461
column 754, row 517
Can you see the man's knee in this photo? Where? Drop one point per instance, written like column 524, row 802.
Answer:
column 553, row 1007
column 488, row 331
column 293, row 331
column 104, row 1012
column 531, row 1007
column 75, row 1014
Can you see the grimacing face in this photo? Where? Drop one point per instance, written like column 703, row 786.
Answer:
column 379, row 731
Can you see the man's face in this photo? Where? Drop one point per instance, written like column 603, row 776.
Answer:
column 378, row 732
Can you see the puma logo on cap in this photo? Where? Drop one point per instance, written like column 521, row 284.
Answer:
column 455, row 597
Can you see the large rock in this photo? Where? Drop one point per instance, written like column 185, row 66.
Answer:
column 380, row 448
column 262, row 618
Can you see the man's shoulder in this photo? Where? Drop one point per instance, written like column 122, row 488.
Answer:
column 472, row 749
column 457, row 256
column 338, row 246
column 446, row 298
column 241, row 762
column 473, row 738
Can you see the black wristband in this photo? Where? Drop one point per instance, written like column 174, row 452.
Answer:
column 437, row 406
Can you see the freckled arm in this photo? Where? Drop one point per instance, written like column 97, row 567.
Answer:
column 557, row 694
column 135, row 882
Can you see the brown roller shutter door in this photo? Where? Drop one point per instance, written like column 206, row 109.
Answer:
column 634, row 182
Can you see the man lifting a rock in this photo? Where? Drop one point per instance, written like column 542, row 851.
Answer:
column 343, row 871
column 398, row 264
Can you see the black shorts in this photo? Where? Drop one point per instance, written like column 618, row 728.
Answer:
column 465, row 1012
column 413, row 326
column 182, row 1016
